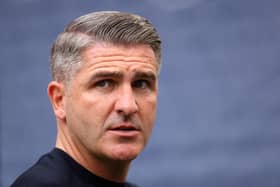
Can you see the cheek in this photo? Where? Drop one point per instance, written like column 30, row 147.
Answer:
column 149, row 106
column 85, row 120
column 96, row 108
column 148, row 114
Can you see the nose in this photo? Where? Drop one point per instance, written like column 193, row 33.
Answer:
column 126, row 102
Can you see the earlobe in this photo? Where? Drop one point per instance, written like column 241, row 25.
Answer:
column 56, row 93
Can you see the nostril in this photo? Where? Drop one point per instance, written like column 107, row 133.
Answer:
column 125, row 114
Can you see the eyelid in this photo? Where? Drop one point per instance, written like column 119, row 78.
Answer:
column 148, row 84
column 109, row 83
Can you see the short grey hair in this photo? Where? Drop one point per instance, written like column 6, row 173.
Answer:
column 104, row 26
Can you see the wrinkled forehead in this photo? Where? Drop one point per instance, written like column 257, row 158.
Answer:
column 108, row 52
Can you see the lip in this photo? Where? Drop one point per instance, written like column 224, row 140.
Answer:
column 125, row 133
column 124, row 130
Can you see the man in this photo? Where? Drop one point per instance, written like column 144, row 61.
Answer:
column 105, row 68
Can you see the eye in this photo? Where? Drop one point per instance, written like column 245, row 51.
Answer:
column 141, row 84
column 104, row 83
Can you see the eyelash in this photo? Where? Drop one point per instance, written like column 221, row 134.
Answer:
column 99, row 83
column 147, row 84
column 135, row 84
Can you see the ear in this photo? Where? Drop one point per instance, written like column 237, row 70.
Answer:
column 56, row 92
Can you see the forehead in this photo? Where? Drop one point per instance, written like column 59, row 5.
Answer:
column 109, row 55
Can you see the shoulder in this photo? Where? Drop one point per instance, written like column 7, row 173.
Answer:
column 30, row 179
column 37, row 176
column 47, row 171
column 128, row 184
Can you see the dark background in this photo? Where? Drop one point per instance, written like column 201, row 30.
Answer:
column 219, row 101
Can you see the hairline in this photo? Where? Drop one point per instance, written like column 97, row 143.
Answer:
column 64, row 72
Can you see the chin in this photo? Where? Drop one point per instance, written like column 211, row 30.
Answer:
column 125, row 152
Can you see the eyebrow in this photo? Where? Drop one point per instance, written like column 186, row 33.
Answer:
column 106, row 74
column 145, row 75
column 119, row 75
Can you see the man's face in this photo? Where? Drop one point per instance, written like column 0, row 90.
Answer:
column 111, row 102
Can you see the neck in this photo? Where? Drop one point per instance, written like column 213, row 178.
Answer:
column 112, row 170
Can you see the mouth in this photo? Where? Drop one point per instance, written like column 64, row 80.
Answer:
column 125, row 130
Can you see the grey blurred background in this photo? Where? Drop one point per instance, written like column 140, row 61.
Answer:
column 219, row 101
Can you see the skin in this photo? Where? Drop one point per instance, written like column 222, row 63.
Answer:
column 106, row 113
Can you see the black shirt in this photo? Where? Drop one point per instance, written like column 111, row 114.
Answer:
column 58, row 169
